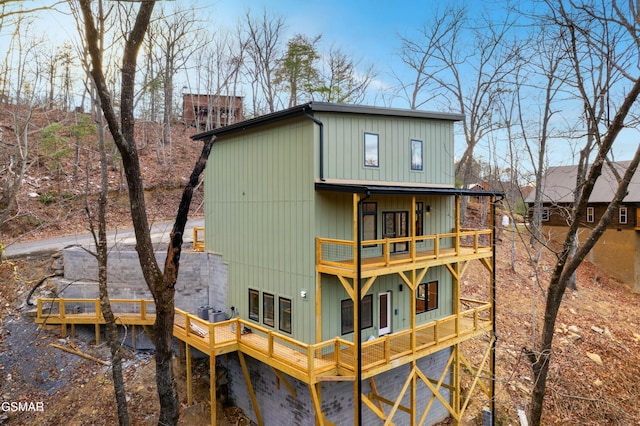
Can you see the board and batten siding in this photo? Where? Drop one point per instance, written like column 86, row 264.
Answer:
column 334, row 213
column 259, row 217
column 344, row 149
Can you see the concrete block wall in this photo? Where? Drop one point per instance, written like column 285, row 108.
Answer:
column 201, row 279
column 279, row 407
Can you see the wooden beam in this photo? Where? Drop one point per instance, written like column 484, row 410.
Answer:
column 189, row 376
column 315, row 399
column 252, row 395
column 335, row 378
column 396, row 405
column 378, row 412
column 366, row 287
column 347, row 287
column 212, row 389
column 284, row 380
column 318, row 298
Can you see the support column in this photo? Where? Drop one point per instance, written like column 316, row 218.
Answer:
column 189, row 378
column 212, row 388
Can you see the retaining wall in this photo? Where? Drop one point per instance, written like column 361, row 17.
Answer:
column 201, row 279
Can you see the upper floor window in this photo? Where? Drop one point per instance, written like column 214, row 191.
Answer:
column 416, row 154
column 427, row 297
column 590, row 214
column 371, row 150
column 622, row 215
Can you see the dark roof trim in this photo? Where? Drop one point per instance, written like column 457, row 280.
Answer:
column 311, row 107
column 401, row 190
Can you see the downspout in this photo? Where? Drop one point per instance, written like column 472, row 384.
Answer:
column 321, row 159
column 358, row 327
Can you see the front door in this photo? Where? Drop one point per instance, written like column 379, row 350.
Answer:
column 396, row 226
column 384, row 317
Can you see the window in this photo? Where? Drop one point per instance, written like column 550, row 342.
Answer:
column 369, row 221
column 427, row 297
column 347, row 325
column 419, row 218
column 285, row 314
column 396, row 225
column 590, row 214
column 545, row 215
column 267, row 309
column 622, row 215
column 416, row 154
column 371, row 150
column 254, row 305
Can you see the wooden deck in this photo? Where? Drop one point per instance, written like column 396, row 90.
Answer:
column 311, row 363
column 337, row 257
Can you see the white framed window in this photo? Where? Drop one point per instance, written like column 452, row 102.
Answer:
column 590, row 215
column 622, row 215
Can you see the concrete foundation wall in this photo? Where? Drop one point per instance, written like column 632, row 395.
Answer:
column 279, row 407
column 201, row 279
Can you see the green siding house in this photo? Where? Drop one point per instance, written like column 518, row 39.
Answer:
column 340, row 229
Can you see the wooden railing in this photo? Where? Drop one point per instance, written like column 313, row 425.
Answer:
column 307, row 362
column 198, row 238
column 60, row 311
column 380, row 253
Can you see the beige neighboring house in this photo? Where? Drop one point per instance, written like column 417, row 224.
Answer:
column 617, row 252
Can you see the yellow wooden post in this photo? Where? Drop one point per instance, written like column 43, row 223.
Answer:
column 412, row 303
column 318, row 297
column 189, row 384
column 63, row 325
column 413, row 398
column 413, row 229
column 212, row 387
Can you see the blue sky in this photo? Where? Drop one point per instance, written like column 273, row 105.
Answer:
column 365, row 29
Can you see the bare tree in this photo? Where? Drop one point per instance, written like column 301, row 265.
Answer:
column 161, row 283
column 23, row 80
column 218, row 73
column 263, row 48
column 466, row 65
column 177, row 36
column 587, row 27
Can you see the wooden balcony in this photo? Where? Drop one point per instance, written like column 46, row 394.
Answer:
column 337, row 257
column 330, row 360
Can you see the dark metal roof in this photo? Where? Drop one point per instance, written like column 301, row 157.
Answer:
column 401, row 190
column 311, row 107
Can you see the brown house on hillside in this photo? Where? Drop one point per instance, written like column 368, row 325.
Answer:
column 618, row 250
column 208, row 112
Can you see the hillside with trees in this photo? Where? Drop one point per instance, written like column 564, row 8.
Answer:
column 91, row 128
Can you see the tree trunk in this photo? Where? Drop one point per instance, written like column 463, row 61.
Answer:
column 105, row 305
column 165, row 292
